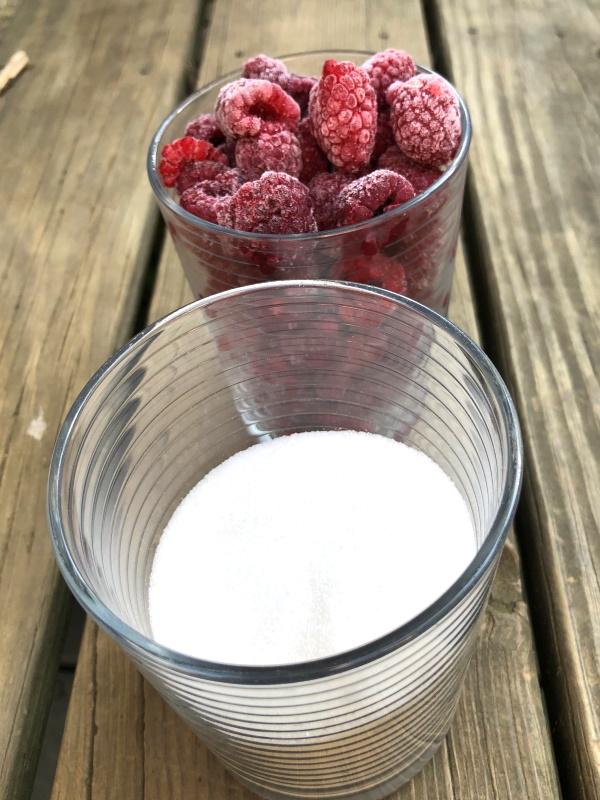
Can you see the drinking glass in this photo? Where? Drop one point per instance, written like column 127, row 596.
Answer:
column 246, row 366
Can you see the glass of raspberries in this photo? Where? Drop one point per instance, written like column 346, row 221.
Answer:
column 342, row 166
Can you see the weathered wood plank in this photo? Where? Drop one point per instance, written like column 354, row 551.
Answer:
column 73, row 235
column 499, row 744
column 530, row 71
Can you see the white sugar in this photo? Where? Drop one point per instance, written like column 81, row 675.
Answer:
column 307, row 546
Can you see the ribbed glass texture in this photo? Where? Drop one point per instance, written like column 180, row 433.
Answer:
column 224, row 373
column 414, row 246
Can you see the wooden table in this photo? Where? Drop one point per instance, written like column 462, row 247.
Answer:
column 84, row 263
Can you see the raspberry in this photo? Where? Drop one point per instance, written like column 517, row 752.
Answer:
column 426, row 120
column 372, row 195
column 205, row 127
column 313, row 158
column 276, row 203
column 264, row 68
column 174, row 156
column 277, row 152
column 384, row 136
column 199, row 203
column 385, row 68
column 245, row 105
column 419, row 175
column 343, row 112
column 324, row 190
column 193, row 172
column 376, row 271
column 199, row 199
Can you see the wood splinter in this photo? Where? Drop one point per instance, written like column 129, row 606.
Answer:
column 13, row 67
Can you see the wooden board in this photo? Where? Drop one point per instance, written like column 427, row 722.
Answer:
column 499, row 744
column 76, row 215
column 530, row 72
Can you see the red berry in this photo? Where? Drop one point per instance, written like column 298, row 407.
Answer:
column 199, row 203
column 175, row 155
column 276, row 203
column 384, row 136
column 262, row 67
column 193, row 172
column 376, row 271
column 276, row 152
column 313, row 158
column 324, row 191
column 205, row 127
column 426, row 120
column 245, row 105
column 200, row 198
column 385, row 68
column 367, row 197
column 419, row 175
column 343, row 112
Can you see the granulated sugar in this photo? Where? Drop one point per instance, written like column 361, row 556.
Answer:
column 307, row 546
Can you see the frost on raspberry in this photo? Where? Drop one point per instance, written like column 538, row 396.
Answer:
column 262, row 67
column 376, row 270
column 244, row 106
column 324, row 190
column 426, row 120
column 343, row 112
column 276, row 203
column 421, row 176
column 274, row 152
column 182, row 151
column 387, row 67
column 313, row 158
column 372, row 195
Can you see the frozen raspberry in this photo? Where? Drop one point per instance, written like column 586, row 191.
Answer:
column 276, row 152
column 372, row 195
column 262, row 67
column 426, row 120
column 324, row 191
column 375, row 271
column 343, row 112
column 205, row 127
column 199, row 203
column 419, row 175
column 276, row 203
column 200, row 198
column 385, row 68
column 384, row 136
column 193, row 172
column 245, row 105
column 313, row 158
column 174, row 156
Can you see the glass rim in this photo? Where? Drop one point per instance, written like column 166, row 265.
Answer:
column 340, row 662
column 164, row 198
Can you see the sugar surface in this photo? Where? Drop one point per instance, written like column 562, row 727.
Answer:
column 307, row 546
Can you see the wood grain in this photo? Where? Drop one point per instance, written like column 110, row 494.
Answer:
column 74, row 240
column 536, row 222
column 499, row 743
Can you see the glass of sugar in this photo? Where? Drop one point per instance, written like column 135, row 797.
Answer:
column 355, row 682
